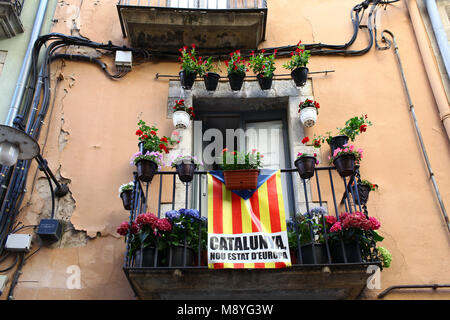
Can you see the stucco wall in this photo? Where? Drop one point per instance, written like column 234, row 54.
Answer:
column 91, row 138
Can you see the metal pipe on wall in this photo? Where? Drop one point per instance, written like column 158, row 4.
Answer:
column 19, row 91
column 430, row 66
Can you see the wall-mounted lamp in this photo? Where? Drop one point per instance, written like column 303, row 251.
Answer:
column 16, row 144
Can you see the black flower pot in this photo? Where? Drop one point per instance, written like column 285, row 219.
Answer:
column 300, row 75
column 320, row 251
column 211, row 80
column 236, row 81
column 146, row 170
column 126, row 199
column 305, row 166
column 177, row 254
column 363, row 192
column 351, row 252
column 338, row 142
column 345, row 165
column 185, row 171
column 265, row 83
column 145, row 257
column 187, row 79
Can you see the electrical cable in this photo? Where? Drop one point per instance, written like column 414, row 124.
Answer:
column 13, row 265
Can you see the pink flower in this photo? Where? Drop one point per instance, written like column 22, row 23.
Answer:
column 374, row 223
column 148, row 219
column 124, row 227
column 299, row 154
column 336, row 227
column 253, row 150
column 163, row 225
column 330, row 220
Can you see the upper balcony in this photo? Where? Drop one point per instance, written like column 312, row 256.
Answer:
column 216, row 26
column 10, row 24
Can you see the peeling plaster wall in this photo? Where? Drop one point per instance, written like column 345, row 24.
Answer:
column 91, row 138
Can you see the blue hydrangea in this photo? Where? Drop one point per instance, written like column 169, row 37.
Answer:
column 172, row 214
column 192, row 213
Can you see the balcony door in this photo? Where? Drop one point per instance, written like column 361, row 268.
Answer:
column 266, row 132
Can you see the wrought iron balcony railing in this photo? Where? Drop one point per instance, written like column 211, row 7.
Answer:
column 326, row 189
column 198, row 4
column 10, row 24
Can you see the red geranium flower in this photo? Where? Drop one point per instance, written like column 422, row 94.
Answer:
column 164, row 139
column 139, row 132
column 152, row 132
column 305, row 140
column 363, row 128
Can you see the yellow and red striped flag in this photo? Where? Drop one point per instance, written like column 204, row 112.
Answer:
column 247, row 230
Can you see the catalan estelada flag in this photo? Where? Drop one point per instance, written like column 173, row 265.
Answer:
column 247, row 229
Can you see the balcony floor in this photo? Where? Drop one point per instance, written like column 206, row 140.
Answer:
column 297, row 282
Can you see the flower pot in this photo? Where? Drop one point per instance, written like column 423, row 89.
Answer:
column 236, row 81
column 265, row 83
column 338, row 142
column 185, row 171
column 241, row 179
column 181, row 119
column 141, row 148
column 351, row 251
column 300, row 75
column 126, row 199
column 203, row 258
column 177, row 253
column 187, row 79
column 308, row 116
column 145, row 257
column 345, row 165
column 363, row 192
column 146, row 170
column 305, row 166
column 320, row 251
column 211, row 80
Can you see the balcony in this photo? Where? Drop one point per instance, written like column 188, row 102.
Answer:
column 320, row 278
column 215, row 26
column 10, row 24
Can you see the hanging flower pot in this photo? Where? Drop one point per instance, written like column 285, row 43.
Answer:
column 126, row 199
column 241, row 179
column 338, row 142
column 305, row 166
column 211, row 80
column 181, row 119
column 345, row 164
column 146, row 170
column 236, row 81
column 364, row 188
column 185, row 166
column 308, row 110
column 265, row 83
column 300, row 75
column 187, row 79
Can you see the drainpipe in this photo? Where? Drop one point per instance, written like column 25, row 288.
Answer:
column 430, row 65
column 439, row 32
column 19, row 91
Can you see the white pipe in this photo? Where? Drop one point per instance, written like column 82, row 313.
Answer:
column 439, row 32
column 19, row 91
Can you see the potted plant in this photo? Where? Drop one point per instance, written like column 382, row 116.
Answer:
column 310, row 228
column 345, row 159
column 353, row 127
column 125, row 191
column 145, row 237
column 189, row 66
column 207, row 70
column 185, row 166
column 241, row 170
column 364, row 188
column 308, row 110
column 263, row 66
column 357, row 232
column 306, row 163
column 149, row 140
column 297, row 64
column 182, row 115
column 236, row 68
column 385, row 257
column 183, row 240
column 147, row 164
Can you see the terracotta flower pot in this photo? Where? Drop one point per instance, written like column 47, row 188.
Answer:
column 305, row 166
column 187, row 79
column 126, row 199
column 186, row 171
column 345, row 164
column 211, row 80
column 265, row 83
column 300, row 75
column 146, row 170
column 241, row 179
column 236, row 81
